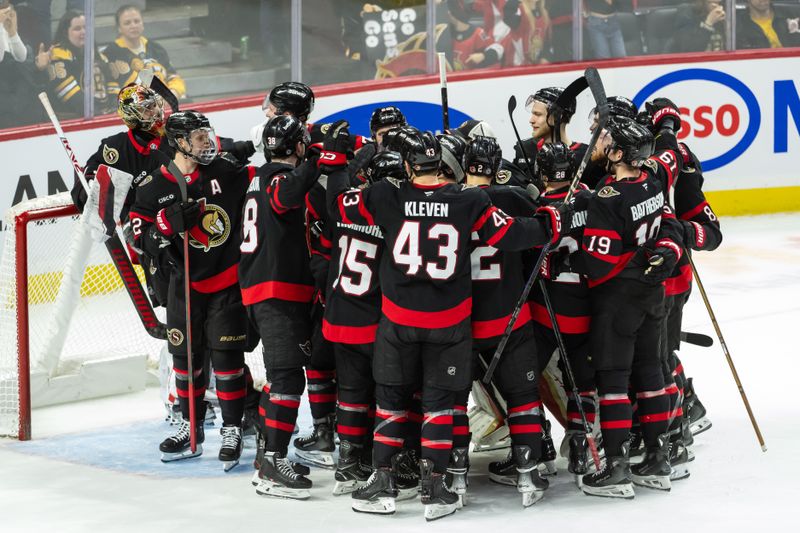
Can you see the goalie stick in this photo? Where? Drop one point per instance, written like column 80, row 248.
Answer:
column 698, row 339
column 116, row 248
column 443, row 84
column 594, row 83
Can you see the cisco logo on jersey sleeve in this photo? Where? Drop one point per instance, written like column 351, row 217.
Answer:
column 421, row 115
column 720, row 114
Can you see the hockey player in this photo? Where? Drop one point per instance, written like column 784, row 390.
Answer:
column 569, row 295
column 278, row 289
column 424, row 332
column 629, row 225
column 209, row 217
column 382, row 120
column 453, row 147
column 497, row 282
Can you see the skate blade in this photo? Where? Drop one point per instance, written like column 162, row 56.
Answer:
column 462, row 501
column 347, row 487
column 435, row 511
column 679, row 472
column 316, row 458
column 699, row 426
column 255, row 480
column 531, row 497
column 186, row 454
column 268, row 488
column 227, row 466
column 407, row 494
column 489, row 446
column 624, row 491
column 510, row 481
column 661, row 483
column 548, row 468
column 691, row 455
column 383, row 505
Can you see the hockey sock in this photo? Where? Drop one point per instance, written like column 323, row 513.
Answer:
column 253, row 396
column 575, row 423
column 391, row 419
column 231, row 385
column 653, row 412
column 525, row 422
column 461, row 435
column 414, row 426
column 321, row 393
column 436, row 436
column 180, row 365
column 263, row 402
column 615, row 409
column 352, row 415
column 284, row 400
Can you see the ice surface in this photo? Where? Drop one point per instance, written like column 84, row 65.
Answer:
column 93, row 466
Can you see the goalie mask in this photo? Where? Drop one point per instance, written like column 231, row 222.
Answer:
column 141, row 108
column 191, row 134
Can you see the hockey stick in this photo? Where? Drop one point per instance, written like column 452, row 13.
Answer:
column 149, row 79
column 443, row 84
column 727, row 353
column 512, row 106
column 698, row 339
column 596, row 85
column 562, row 350
column 114, row 244
column 187, row 288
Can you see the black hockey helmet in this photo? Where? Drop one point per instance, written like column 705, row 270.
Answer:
column 386, row 116
column 291, row 97
column 620, row 106
column 421, row 151
column 482, row 156
column 386, row 164
column 548, row 96
column 636, row 141
column 182, row 125
column 393, row 139
column 555, row 162
column 470, row 128
column 453, row 147
column 281, row 135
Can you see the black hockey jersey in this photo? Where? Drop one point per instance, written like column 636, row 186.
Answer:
column 220, row 188
column 275, row 259
column 497, row 276
column 569, row 291
column 135, row 152
column 425, row 268
column 691, row 207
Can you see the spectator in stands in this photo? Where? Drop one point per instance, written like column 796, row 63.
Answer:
column 132, row 52
column 17, row 94
column 65, row 66
column 10, row 41
column 603, row 29
column 523, row 31
column 700, row 27
column 473, row 47
column 764, row 25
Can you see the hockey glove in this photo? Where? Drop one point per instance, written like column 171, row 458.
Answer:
column 177, row 217
column 334, row 147
column 560, row 218
column 161, row 249
column 554, row 264
column 694, row 235
column 665, row 113
column 662, row 261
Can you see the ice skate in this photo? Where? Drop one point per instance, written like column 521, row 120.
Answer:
column 406, row 468
column 529, row 482
column 317, row 448
column 350, row 472
column 613, row 481
column 231, row 449
column 547, row 459
column 278, row 478
column 378, row 495
column 694, row 411
column 578, row 464
column 456, row 477
column 678, row 459
column 503, row 472
column 178, row 446
column 654, row 470
column 439, row 501
column 261, row 444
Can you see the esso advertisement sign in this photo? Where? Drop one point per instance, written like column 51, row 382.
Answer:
column 720, row 115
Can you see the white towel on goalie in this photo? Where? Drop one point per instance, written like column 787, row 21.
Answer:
column 107, row 192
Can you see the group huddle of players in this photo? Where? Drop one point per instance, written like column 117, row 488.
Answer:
column 380, row 275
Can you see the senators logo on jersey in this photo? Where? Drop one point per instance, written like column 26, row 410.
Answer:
column 213, row 229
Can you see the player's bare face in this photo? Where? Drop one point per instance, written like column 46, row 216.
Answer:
column 77, row 31
column 595, row 122
column 379, row 133
column 600, row 147
column 270, row 110
column 131, row 25
column 538, row 120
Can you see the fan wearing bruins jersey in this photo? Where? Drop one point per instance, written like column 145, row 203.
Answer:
column 278, row 289
column 209, row 218
column 424, row 333
column 630, row 245
column 569, row 296
column 497, row 281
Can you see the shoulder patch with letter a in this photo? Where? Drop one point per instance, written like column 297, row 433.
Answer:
column 110, row 155
column 607, row 192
